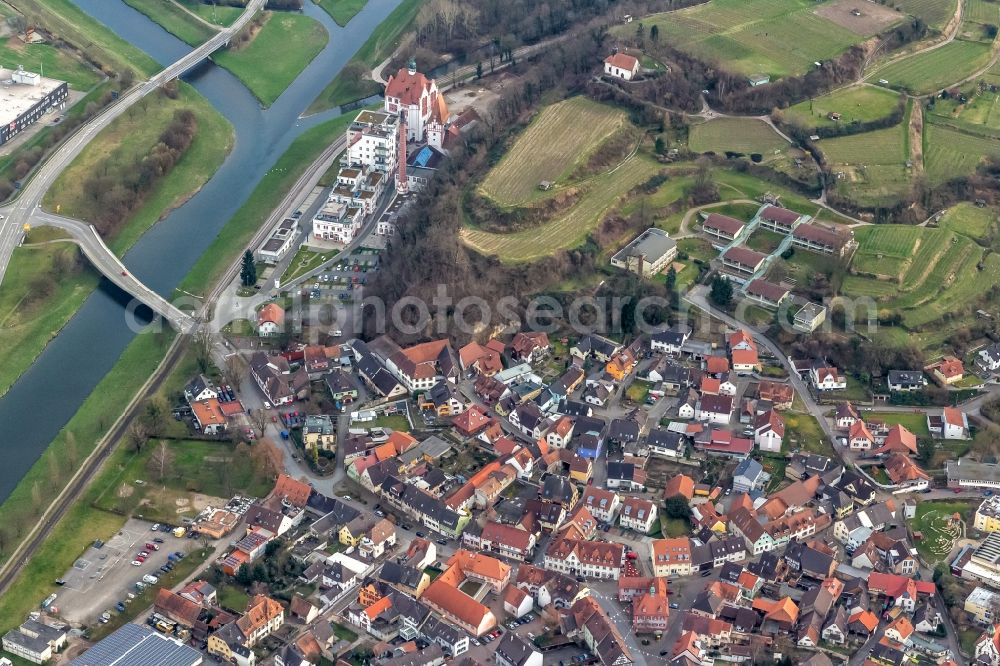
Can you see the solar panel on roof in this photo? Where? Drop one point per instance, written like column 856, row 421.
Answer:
column 135, row 645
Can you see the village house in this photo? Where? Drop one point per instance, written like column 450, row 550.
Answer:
column 621, row 65
column 952, row 423
column 638, row 514
column 270, row 320
column 671, row 557
column 648, row 254
column 591, row 559
column 827, row 378
column 947, row 371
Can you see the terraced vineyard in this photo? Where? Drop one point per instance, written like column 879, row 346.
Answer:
column 561, row 137
column 741, row 135
column 949, row 153
column 570, row 229
column 873, row 164
column 930, row 272
column 967, row 219
column 936, row 69
column 935, row 13
column 776, row 37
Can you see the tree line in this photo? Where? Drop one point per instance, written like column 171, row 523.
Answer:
column 117, row 190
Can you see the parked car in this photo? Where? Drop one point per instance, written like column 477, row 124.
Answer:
column 155, row 527
column 120, row 606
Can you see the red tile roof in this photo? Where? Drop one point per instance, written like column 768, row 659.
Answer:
column 780, row 215
column 622, row 61
column 744, row 256
column 724, row 223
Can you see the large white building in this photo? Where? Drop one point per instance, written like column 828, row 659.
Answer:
column 372, row 154
column 416, row 97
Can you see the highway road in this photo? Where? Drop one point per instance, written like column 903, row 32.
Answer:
column 26, row 208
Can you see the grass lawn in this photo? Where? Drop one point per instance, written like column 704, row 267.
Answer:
column 304, row 261
column 933, row 520
column 858, row 104
column 391, row 421
column 638, row 390
column 27, row 324
column 802, row 431
column 232, row 238
column 207, row 468
column 560, row 138
column 213, row 13
column 673, row 527
column 349, row 86
column 172, row 18
column 88, row 425
column 764, row 241
column 296, row 37
column 342, row 11
column 343, row 633
column 775, row 37
column 967, row 219
column 129, row 137
column 915, row 423
column 75, row 26
column 740, row 135
column 233, row 598
column 936, row 69
column 57, row 63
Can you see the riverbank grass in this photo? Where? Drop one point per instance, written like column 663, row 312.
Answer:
column 297, row 38
column 172, row 18
column 48, row 476
column 220, row 15
column 75, row 26
column 354, row 82
column 44, row 285
column 342, row 11
column 57, row 63
column 133, row 135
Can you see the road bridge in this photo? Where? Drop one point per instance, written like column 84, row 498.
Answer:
column 26, row 208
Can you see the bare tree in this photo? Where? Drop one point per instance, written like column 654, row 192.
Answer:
column 203, row 341
column 267, row 459
column 154, row 413
column 138, row 434
column 72, row 450
column 235, row 371
column 259, row 419
column 161, row 461
column 55, row 473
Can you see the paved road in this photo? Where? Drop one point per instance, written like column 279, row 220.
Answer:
column 108, row 263
column 26, row 207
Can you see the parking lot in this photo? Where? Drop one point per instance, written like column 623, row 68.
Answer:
column 102, row 577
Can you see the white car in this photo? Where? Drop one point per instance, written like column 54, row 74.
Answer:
column 136, row 563
column 150, row 579
column 156, row 527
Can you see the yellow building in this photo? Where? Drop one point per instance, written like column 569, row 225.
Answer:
column 988, row 515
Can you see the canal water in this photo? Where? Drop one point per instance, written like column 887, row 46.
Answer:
column 40, row 403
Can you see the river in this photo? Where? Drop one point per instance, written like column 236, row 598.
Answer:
column 85, row 350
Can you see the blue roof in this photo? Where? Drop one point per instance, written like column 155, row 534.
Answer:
column 423, row 156
column 749, row 468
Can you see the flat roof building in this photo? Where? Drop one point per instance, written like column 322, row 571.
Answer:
column 648, row 254
column 965, row 473
column 24, row 97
